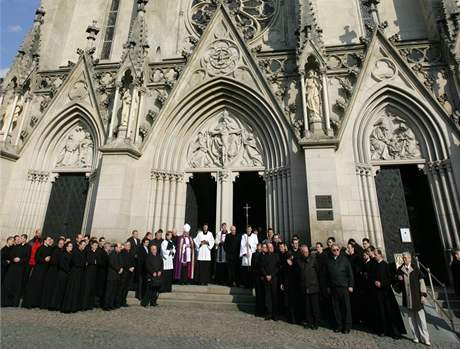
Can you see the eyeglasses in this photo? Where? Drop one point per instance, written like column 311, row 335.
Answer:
column 335, row 249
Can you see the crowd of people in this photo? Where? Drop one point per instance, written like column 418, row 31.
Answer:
column 338, row 286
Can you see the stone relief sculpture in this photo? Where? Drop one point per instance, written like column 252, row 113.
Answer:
column 312, row 90
column 392, row 139
column 225, row 143
column 77, row 149
column 16, row 114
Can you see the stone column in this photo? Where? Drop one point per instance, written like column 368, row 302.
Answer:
column 116, row 101
column 325, row 103
column 224, row 207
column 304, row 105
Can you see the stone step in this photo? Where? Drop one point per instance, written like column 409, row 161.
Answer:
column 247, row 307
column 211, row 289
column 211, row 297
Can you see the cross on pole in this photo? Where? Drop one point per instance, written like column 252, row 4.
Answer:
column 246, row 208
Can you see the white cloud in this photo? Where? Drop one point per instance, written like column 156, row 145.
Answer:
column 14, row 28
column 3, row 72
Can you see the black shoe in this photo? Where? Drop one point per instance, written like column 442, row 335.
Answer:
column 345, row 331
column 267, row 318
column 337, row 330
column 314, row 327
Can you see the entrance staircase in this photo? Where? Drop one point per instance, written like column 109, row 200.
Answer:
column 212, row 297
column 448, row 308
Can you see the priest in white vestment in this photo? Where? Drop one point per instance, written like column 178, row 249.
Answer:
column 204, row 242
column 168, row 250
column 248, row 246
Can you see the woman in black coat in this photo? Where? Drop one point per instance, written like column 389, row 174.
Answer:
column 90, row 277
column 63, row 267
column 72, row 297
column 49, row 285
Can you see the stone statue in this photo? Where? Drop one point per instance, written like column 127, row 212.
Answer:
column 225, row 146
column 252, row 154
column 199, row 152
column 86, row 151
column 312, row 90
column 126, row 100
column 16, row 114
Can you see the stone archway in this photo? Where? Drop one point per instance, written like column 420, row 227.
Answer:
column 222, row 127
column 393, row 131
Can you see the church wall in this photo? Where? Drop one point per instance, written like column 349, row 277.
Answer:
column 405, row 17
column 340, row 21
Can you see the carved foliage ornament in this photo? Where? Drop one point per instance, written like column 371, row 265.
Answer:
column 392, row 139
column 253, row 16
column 76, row 151
column 225, row 142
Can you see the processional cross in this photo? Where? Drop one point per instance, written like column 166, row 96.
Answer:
column 247, row 208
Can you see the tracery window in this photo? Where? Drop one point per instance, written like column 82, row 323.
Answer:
column 110, row 29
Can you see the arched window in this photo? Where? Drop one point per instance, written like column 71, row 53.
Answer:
column 110, row 29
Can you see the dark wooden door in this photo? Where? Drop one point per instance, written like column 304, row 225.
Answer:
column 66, row 206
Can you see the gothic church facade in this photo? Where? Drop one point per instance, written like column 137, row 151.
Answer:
column 340, row 117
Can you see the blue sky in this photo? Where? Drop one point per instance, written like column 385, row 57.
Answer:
column 16, row 18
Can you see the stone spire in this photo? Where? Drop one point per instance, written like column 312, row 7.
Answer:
column 136, row 48
column 28, row 55
column 309, row 29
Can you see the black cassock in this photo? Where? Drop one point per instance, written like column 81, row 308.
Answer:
column 89, row 280
column 389, row 319
column 72, row 298
column 34, row 289
column 153, row 264
column 115, row 263
column 63, row 270
column 6, row 259
column 49, row 285
column 103, row 259
column 13, row 283
column 142, row 253
column 129, row 261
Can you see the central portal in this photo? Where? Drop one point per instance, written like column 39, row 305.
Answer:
column 249, row 189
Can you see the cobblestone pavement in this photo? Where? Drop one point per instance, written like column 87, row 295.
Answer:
column 179, row 327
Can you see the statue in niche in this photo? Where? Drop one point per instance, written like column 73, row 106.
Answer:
column 126, row 100
column 16, row 114
column 312, row 91
column 392, row 139
column 77, row 150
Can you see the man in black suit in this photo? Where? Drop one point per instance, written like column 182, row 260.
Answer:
column 269, row 267
column 142, row 252
column 153, row 276
column 340, row 276
column 114, row 271
column 134, row 241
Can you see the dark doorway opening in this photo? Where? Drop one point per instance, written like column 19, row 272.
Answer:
column 200, row 204
column 66, row 206
column 405, row 202
column 249, row 188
